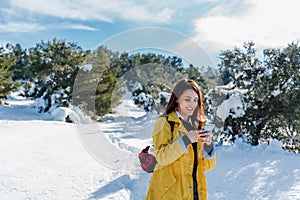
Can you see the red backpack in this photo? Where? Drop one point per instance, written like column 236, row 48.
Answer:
column 147, row 160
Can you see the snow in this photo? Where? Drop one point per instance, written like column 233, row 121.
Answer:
column 87, row 67
column 74, row 113
column 229, row 101
column 43, row 157
column 263, row 172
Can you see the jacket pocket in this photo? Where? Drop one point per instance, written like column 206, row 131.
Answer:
column 167, row 186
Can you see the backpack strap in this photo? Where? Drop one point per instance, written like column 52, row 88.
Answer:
column 172, row 124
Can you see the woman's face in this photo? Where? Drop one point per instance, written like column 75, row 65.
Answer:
column 187, row 103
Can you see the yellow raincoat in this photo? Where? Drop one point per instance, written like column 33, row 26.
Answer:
column 172, row 177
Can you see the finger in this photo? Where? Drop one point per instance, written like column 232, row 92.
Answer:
column 208, row 134
column 203, row 135
column 202, row 131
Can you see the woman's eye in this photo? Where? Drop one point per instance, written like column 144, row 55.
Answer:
column 191, row 100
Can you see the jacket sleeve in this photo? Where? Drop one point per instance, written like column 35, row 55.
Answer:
column 167, row 147
column 209, row 164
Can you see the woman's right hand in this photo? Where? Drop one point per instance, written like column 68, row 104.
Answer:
column 194, row 135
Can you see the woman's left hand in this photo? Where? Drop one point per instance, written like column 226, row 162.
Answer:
column 206, row 137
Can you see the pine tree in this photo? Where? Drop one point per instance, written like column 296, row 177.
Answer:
column 6, row 83
column 194, row 73
column 20, row 68
column 283, row 82
column 53, row 68
column 99, row 89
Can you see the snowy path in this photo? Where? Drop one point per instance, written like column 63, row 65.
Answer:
column 46, row 160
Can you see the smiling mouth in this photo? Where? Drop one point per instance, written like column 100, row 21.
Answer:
column 190, row 109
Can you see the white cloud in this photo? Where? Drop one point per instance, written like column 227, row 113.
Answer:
column 267, row 23
column 21, row 27
column 74, row 26
column 105, row 10
column 81, row 10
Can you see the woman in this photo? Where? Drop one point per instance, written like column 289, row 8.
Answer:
column 184, row 154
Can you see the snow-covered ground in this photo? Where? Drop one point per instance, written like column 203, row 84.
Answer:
column 42, row 158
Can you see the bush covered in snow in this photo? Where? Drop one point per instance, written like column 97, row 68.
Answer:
column 72, row 114
column 265, row 93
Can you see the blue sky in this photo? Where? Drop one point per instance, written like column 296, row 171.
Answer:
column 213, row 24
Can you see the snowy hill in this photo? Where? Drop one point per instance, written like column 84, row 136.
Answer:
column 42, row 158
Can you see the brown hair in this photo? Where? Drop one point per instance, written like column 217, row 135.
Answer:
column 185, row 84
